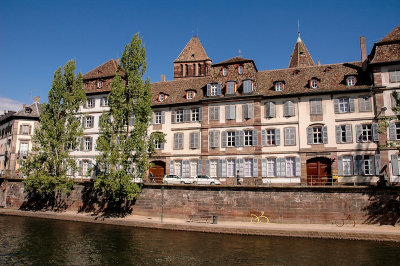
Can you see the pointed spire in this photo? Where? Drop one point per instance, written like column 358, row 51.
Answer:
column 300, row 56
column 193, row 51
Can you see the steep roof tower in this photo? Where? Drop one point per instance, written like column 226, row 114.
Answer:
column 300, row 56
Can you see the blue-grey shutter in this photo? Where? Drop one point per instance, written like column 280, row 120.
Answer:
column 255, row 167
column 340, row 165
column 227, row 112
column 392, row 131
column 278, row 167
column 245, row 111
column 219, row 168
column 162, row 145
column 336, row 105
column 173, row 116
column 237, row 138
column 200, row 113
column 199, row 167
column 186, row 115
column 255, row 137
column 325, row 134
column 241, row 138
column 162, row 117
column 338, row 130
column 358, row 165
column 264, row 167
column 351, row 105
column 270, row 109
column 176, row 141
column 395, row 164
column 263, row 137
column 219, row 88
column 223, row 139
column 375, row 132
column 359, row 133
column 291, row 108
column 241, row 168
column 216, row 139
column 351, row 167
column 349, row 135
column 250, row 110
column 207, row 167
column 83, row 122
column 80, row 167
column 152, row 119
column 223, row 167
column 277, row 137
column 132, row 119
column 196, row 140
column 185, row 168
column 91, row 143
column 211, row 139
column 309, row 135
column 286, row 108
column 298, row 166
column 191, row 136
column 283, row 167
column 208, row 89
column 377, row 164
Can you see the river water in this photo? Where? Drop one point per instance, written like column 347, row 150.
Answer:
column 33, row 241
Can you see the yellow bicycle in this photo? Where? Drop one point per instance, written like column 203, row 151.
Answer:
column 259, row 218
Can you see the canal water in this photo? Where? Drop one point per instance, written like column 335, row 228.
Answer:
column 33, row 241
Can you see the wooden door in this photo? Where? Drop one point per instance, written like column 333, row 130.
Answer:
column 318, row 171
column 157, row 171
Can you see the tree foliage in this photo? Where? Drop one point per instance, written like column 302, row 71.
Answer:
column 46, row 167
column 124, row 143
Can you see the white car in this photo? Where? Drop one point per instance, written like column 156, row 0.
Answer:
column 175, row 179
column 205, row 180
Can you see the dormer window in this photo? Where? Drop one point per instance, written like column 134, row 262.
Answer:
column 224, row 71
column 230, row 87
column 314, row 83
column 278, row 86
column 328, row 69
column 240, row 70
column 247, row 86
column 28, row 110
column 351, row 80
column 296, row 72
column 213, row 89
column 189, row 95
column 161, row 97
column 99, row 84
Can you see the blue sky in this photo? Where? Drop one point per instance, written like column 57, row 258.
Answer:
column 36, row 37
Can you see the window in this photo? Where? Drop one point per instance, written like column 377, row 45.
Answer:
column 85, row 167
column 270, row 137
column 247, row 86
column 248, row 138
column 248, row 167
column 230, row 87
column 317, row 135
column 214, row 90
column 189, row 95
column 290, row 167
column 230, row 112
column 344, row 134
column 179, row 116
column 194, row 140
column 158, row 145
column 365, row 103
column 157, row 117
column 224, row 71
column 90, row 103
column 99, row 84
column 89, row 122
column 270, row 109
column 394, row 131
column 351, row 81
column 195, row 116
column 199, row 68
column 240, row 70
column 193, row 168
column 247, row 110
column 344, row 105
column 178, row 167
column 288, row 109
column 186, row 70
column 161, row 97
column 23, row 149
column 25, row 129
column 214, row 113
column 178, row 141
column 214, row 139
column 347, row 165
column 231, row 169
column 394, row 75
column 213, row 168
column 279, row 86
column 290, row 136
column 315, row 106
column 314, row 83
column 105, row 101
column 88, row 143
column 230, row 139
column 368, row 165
column 271, row 167
column 366, row 133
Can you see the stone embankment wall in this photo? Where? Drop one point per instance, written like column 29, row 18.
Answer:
column 280, row 205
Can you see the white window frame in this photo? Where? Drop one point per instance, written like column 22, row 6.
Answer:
column 344, row 105
column 290, row 167
column 351, row 81
column 314, row 84
column 89, row 121
column 99, row 84
column 271, row 137
column 271, row 167
column 247, row 86
column 230, row 87
column 88, row 143
column 279, row 86
column 230, row 139
column 189, row 95
column 90, row 103
column 25, row 129
column 23, row 148
column 157, row 117
column 157, row 144
column 347, row 165
column 397, row 128
column 195, row 114
column 213, row 168
column 179, row 116
column 214, row 89
column 368, row 165
column 224, row 71
column 231, row 167
column 366, row 135
column 105, row 101
column 193, row 168
column 248, row 167
column 240, row 70
column 317, row 135
column 178, row 167
column 248, row 137
column 161, row 97
column 394, row 75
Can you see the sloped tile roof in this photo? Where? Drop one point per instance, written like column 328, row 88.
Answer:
column 107, row 69
column 300, row 56
column 234, row 60
column 394, row 35
column 34, row 109
column 193, row 51
column 388, row 49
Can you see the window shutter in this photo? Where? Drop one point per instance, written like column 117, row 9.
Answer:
column 162, row 117
column 255, row 137
column 375, row 131
column 351, row 105
column 241, row 169
column 340, row 165
column 392, row 131
column 216, row 139
column 91, row 144
column 82, row 144
column 162, row 146
column 176, row 141
column 80, row 167
column 192, row 140
column 309, row 135
column 223, row 168
column 277, row 137
column 173, row 116
column 377, row 164
column 278, row 167
column 286, row 108
column 207, row 167
column 227, row 112
column 90, row 167
column 250, row 110
column 351, row 167
column 361, row 104
column 270, row 109
column 208, row 89
column 199, row 167
column 245, row 111
column 298, row 166
column 264, row 167
column 186, row 115
column 283, row 167
column 359, row 132
column 358, row 165
column 319, row 106
column 185, row 168
column 241, row 139
column 83, row 123
column 219, row 88
column 263, row 137
column 349, row 135
column 325, row 134
column 152, row 119
column 255, row 167
column 336, row 106
column 200, row 113
column 211, row 138
column 291, row 108
column 171, row 167
column 196, row 139
column 338, row 130
column 395, row 164
column 223, row 139
column 237, row 138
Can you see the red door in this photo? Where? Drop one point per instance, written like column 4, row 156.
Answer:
column 157, row 171
column 318, row 171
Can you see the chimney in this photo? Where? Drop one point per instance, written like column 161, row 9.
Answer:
column 162, row 78
column 363, row 53
column 24, row 105
column 36, row 99
column 318, row 63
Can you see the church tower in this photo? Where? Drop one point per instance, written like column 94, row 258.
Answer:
column 300, row 56
column 192, row 61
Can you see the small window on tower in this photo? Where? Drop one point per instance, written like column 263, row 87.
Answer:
column 240, row 70
column 161, row 97
column 224, row 71
column 99, row 84
column 279, row 86
column 314, row 83
column 351, row 81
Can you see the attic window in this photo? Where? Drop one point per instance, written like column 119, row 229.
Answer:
column 278, row 86
column 189, row 95
column 296, row 72
column 98, row 72
column 230, row 87
column 28, row 110
column 351, row 80
column 224, row 71
column 302, row 53
column 99, row 84
column 247, row 86
column 240, row 70
column 161, row 97
column 314, row 83
column 328, row 69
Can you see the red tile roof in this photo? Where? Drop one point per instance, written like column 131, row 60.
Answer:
column 388, row 49
column 300, row 56
column 107, row 69
column 193, row 51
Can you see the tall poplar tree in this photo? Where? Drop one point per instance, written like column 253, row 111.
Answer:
column 46, row 167
column 124, row 143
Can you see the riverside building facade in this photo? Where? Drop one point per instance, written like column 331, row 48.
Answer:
column 304, row 125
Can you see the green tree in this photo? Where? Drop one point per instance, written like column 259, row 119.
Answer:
column 124, row 142
column 46, row 167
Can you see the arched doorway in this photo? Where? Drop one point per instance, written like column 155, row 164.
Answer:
column 319, row 171
column 157, row 170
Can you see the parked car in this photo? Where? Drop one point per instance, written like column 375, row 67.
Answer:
column 205, row 180
column 175, row 179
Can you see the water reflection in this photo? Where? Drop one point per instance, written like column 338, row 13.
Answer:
column 30, row 241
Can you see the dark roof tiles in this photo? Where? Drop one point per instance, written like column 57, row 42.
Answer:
column 107, row 69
